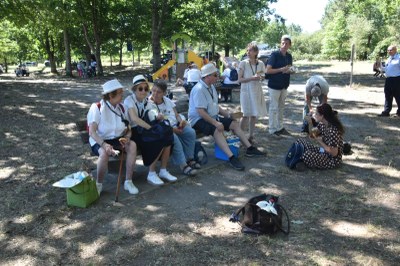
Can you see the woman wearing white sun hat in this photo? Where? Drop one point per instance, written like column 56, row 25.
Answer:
column 138, row 106
column 109, row 131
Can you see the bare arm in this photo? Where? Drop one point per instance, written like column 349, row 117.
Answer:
column 270, row 70
column 135, row 118
column 245, row 80
column 103, row 145
column 328, row 149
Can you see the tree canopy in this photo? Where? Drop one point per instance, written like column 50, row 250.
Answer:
column 59, row 30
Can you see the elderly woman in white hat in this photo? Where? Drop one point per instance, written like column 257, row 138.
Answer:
column 138, row 106
column 109, row 132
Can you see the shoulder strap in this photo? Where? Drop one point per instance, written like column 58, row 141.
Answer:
column 98, row 105
column 122, row 108
column 286, row 232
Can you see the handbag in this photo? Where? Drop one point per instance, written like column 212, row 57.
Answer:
column 160, row 130
column 83, row 194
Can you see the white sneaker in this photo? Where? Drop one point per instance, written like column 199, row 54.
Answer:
column 167, row 176
column 99, row 187
column 128, row 185
column 153, row 179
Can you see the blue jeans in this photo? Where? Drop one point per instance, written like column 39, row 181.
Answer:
column 183, row 148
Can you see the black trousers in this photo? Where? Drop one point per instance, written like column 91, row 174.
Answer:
column 392, row 90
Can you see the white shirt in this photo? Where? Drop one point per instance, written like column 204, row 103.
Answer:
column 226, row 74
column 317, row 79
column 139, row 107
column 167, row 109
column 193, row 75
column 392, row 68
column 109, row 124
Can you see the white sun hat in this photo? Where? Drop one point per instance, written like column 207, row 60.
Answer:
column 208, row 70
column 111, row 86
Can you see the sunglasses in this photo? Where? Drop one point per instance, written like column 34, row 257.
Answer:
column 145, row 88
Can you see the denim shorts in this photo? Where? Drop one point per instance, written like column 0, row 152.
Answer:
column 209, row 129
column 113, row 142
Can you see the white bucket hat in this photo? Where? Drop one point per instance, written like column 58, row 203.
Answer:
column 111, row 86
column 138, row 79
column 316, row 91
column 208, row 70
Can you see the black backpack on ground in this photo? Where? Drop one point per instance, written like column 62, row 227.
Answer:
column 233, row 76
column 256, row 220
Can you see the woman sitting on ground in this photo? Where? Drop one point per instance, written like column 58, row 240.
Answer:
column 184, row 135
column 109, row 131
column 138, row 105
column 329, row 135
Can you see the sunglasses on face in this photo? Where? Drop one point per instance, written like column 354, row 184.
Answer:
column 145, row 88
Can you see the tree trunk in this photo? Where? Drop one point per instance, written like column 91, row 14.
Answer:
column 67, row 44
column 49, row 44
column 155, row 36
column 5, row 65
column 226, row 48
column 120, row 52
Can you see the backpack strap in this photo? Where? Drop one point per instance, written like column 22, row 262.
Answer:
column 122, row 108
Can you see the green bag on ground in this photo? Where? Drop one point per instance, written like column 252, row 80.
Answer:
column 83, row 194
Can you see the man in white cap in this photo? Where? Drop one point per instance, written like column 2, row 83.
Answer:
column 206, row 116
column 317, row 87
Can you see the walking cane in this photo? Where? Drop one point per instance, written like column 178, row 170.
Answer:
column 119, row 175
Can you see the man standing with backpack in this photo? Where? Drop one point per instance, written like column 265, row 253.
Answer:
column 230, row 77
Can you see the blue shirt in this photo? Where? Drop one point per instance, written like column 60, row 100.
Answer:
column 392, row 68
column 279, row 81
column 202, row 97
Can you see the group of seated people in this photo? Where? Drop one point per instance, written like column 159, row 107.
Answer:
column 115, row 126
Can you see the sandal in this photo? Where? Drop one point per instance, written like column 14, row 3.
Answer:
column 189, row 171
column 194, row 164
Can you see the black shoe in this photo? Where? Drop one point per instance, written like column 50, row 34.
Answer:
column 236, row 164
column 254, row 152
column 283, row 131
column 276, row 133
column 383, row 114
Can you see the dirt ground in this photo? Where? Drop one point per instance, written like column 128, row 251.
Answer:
column 346, row 216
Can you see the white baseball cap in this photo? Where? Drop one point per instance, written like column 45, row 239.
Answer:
column 111, row 86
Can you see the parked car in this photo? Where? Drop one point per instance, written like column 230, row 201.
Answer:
column 22, row 70
column 31, row 63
